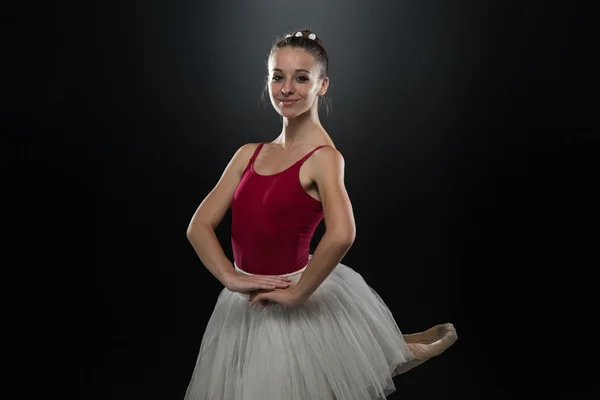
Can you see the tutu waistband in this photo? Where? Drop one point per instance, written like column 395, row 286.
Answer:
column 284, row 275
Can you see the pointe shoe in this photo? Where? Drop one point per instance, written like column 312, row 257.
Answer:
column 427, row 344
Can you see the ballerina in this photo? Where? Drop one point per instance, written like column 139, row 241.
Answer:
column 289, row 324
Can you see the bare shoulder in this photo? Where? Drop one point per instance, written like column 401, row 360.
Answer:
column 243, row 154
column 327, row 166
column 329, row 157
column 247, row 149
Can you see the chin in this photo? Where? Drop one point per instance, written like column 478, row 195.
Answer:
column 290, row 113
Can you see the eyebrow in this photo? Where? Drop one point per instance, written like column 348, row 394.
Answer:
column 298, row 70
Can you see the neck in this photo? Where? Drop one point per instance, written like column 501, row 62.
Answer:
column 301, row 128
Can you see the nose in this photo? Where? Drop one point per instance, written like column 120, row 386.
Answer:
column 287, row 88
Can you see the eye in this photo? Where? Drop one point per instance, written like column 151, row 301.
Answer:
column 303, row 79
column 277, row 78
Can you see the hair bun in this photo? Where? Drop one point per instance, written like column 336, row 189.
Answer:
column 306, row 34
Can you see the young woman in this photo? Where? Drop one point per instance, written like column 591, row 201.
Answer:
column 289, row 324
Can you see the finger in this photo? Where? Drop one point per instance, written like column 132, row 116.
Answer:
column 254, row 300
column 280, row 283
column 268, row 286
column 279, row 278
column 257, row 291
column 260, row 299
column 275, row 281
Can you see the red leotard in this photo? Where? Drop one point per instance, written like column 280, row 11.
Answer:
column 273, row 220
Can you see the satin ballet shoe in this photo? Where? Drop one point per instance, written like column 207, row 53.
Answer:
column 427, row 344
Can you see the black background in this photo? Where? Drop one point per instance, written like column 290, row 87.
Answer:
column 470, row 161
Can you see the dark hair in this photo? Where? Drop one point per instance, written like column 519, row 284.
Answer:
column 313, row 46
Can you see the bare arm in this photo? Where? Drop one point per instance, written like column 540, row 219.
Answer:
column 340, row 229
column 210, row 213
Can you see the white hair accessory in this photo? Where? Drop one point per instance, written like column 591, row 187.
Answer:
column 299, row 34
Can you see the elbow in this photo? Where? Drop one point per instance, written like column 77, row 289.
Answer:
column 189, row 233
column 191, row 229
column 349, row 239
column 344, row 237
column 194, row 229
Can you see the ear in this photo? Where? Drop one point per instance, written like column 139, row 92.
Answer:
column 324, row 86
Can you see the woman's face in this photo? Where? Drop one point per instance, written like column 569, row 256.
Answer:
column 294, row 82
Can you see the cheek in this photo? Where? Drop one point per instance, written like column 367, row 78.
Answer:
column 313, row 90
column 274, row 87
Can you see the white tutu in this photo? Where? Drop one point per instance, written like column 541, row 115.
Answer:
column 342, row 343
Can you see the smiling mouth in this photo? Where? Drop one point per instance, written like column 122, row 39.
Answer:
column 288, row 102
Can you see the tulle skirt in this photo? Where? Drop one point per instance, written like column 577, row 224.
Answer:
column 342, row 344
